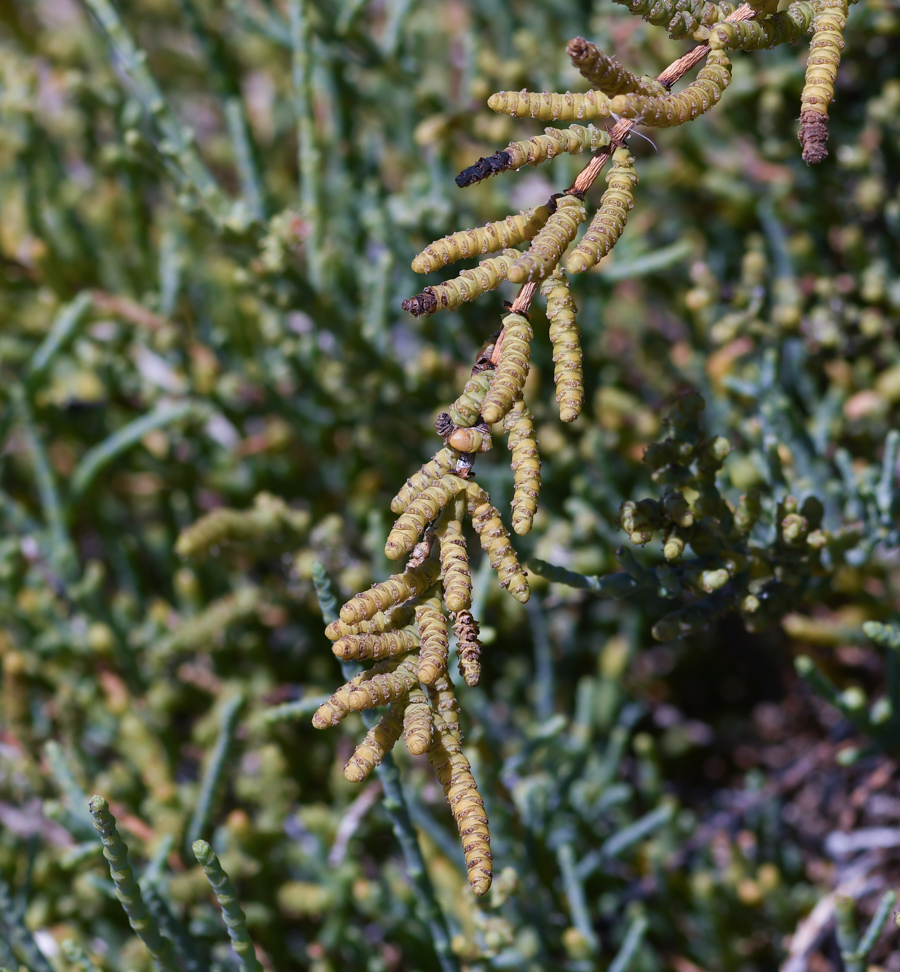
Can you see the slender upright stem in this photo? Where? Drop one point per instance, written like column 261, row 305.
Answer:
column 308, row 155
column 127, row 890
column 226, row 78
column 126, row 436
column 543, row 660
column 178, row 141
column 633, row 939
column 846, row 933
column 64, row 328
column 13, row 926
column 62, row 551
column 578, row 907
column 232, row 915
column 215, row 770
column 77, row 956
column 429, row 910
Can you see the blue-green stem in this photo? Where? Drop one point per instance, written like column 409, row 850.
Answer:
column 578, row 908
column 853, row 953
column 12, row 925
column 845, row 932
column 609, row 585
column 127, row 891
column 636, row 832
column 75, row 798
column 77, row 956
column 649, row 263
column 543, row 660
column 299, row 709
column 62, row 551
column 178, row 141
column 309, row 157
column 185, row 947
column 63, row 329
column 8, row 961
column 97, row 459
column 633, row 939
column 232, row 915
column 627, row 837
column 215, row 770
column 227, row 80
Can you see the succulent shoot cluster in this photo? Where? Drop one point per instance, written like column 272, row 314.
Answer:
column 714, row 23
column 402, row 624
column 746, row 558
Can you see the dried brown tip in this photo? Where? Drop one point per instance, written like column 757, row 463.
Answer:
column 443, row 425
column 422, row 550
column 577, row 48
column 813, row 135
column 484, row 168
column 485, row 359
column 468, row 647
column 420, row 305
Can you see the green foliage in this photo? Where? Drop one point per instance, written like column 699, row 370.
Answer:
column 208, row 213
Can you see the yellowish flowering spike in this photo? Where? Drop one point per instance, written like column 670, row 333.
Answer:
column 376, row 646
column 550, row 106
column 565, row 338
column 555, row 141
column 495, row 542
column 396, row 617
column 468, row 647
column 434, row 639
column 466, row 410
column 483, row 239
column 821, row 72
column 395, row 590
column 488, row 275
column 455, row 775
column 379, row 741
column 382, row 688
column 418, row 725
column 271, row 520
column 420, row 512
column 606, row 74
column 526, row 466
column 512, row 368
column 676, row 109
column 609, row 221
column 455, row 564
column 547, row 248
column 330, row 713
column 338, row 707
column 442, row 464
column 444, row 702
column 752, row 35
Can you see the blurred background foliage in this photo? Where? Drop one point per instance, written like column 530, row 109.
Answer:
column 204, row 241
